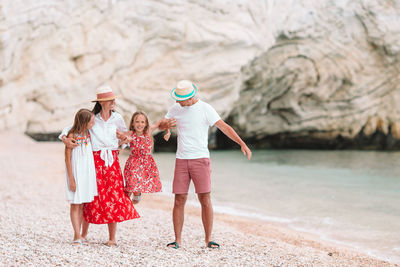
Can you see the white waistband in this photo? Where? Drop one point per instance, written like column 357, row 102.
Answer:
column 107, row 156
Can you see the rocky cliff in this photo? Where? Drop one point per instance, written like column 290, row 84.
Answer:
column 283, row 73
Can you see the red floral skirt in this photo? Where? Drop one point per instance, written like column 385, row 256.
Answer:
column 111, row 204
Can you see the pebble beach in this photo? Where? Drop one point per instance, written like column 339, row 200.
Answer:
column 36, row 229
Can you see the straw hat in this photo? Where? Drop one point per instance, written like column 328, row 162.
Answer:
column 184, row 90
column 104, row 93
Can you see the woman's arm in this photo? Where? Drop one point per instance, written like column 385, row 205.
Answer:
column 124, row 138
column 71, row 180
column 69, row 142
column 120, row 135
column 230, row 132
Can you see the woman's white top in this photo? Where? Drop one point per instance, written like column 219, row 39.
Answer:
column 84, row 173
column 104, row 135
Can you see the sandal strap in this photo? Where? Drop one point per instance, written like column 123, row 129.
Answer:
column 176, row 245
column 212, row 243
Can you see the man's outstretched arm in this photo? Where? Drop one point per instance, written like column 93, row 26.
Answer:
column 165, row 124
column 230, row 132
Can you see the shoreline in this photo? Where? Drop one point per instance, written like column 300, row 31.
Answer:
column 271, row 229
column 283, row 224
column 33, row 207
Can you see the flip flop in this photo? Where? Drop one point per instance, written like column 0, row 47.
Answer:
column 108, row 244
column 174, row 245
column 77, row 242
column 212, row 244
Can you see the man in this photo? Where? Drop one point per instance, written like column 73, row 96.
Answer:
column 193, row 119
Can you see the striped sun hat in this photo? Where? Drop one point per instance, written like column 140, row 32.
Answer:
column 184, row 90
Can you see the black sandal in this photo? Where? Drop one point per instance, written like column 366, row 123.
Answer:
column 174, row 245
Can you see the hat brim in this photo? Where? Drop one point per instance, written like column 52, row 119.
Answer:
column 186, row 97
column 106, row 98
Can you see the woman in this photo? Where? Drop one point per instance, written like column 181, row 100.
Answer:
column 111, row 205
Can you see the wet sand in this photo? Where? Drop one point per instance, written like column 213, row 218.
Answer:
column 36, row 229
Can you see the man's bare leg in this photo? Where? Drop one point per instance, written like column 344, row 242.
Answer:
column 206, row 214
column 178, row 216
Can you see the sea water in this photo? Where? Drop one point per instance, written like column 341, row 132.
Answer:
column 349, row 197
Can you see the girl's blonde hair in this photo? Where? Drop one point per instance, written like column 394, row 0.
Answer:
column 82, row 119
column 137, row 113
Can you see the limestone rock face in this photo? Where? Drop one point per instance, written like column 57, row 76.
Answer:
column 317, row 68
column 336, row 75
column 54, row 54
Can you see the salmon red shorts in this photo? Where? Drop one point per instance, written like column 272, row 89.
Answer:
column 198, row 170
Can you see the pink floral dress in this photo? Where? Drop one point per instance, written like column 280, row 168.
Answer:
column 141, row 172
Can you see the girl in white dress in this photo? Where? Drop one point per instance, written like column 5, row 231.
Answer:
column 81, row 186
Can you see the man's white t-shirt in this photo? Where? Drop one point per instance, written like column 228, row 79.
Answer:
column 192, row 126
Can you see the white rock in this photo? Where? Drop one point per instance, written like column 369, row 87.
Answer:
column 273, row 66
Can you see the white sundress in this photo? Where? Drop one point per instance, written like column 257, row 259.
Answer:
column 84, row 172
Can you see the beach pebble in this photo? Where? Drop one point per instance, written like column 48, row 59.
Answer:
column 36, row 229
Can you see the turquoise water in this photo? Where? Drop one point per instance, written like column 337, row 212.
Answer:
column 349, row 197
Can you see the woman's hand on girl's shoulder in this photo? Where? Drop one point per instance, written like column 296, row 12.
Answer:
column 70, row 141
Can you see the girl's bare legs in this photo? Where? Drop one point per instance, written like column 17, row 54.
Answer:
column 112, row 229
column 80, row 216
column 85, row 227
column 76, row 220
column 137, row 197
